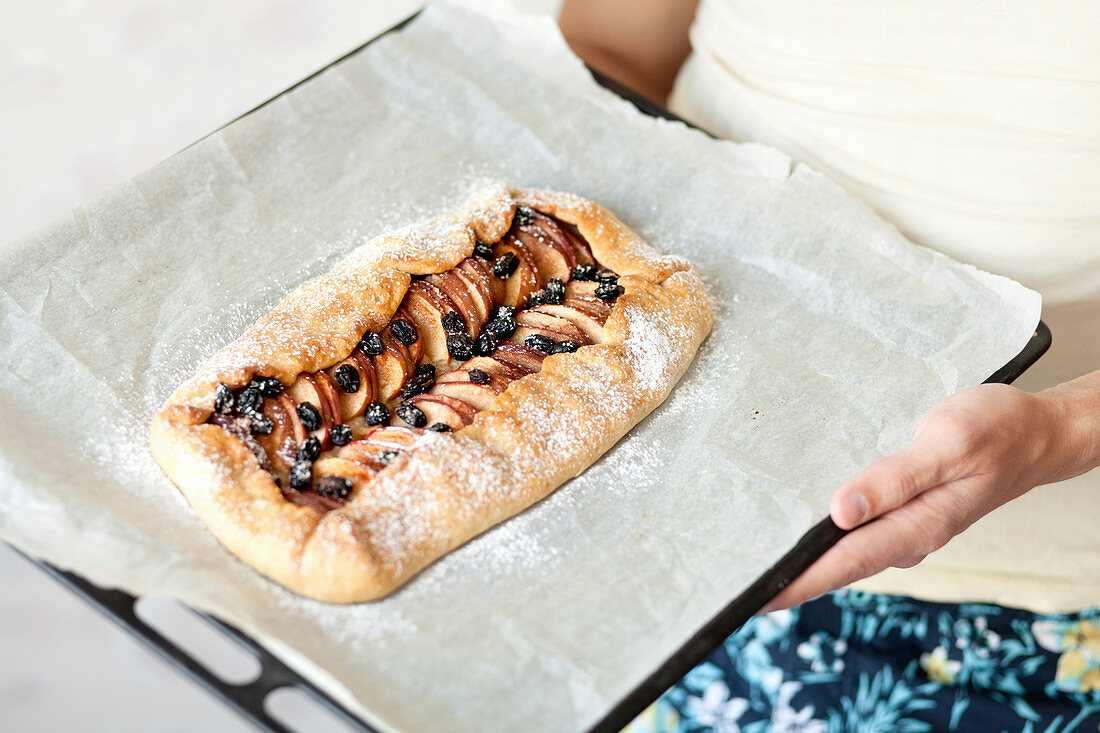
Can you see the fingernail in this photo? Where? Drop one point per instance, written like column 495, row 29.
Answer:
column 854, row 508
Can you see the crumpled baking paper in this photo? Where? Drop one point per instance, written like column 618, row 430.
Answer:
column 832, row 336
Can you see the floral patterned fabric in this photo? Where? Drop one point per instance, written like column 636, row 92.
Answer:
column 866, row 663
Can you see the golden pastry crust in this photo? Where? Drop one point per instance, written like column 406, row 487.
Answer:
column 449, row 487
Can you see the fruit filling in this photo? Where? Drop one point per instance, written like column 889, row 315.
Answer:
column 458, row 339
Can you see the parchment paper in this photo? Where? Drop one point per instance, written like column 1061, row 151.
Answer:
column 832, row 335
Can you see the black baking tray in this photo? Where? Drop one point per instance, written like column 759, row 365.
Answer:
column 248, row 699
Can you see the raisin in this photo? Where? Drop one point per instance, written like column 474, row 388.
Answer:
column 336, row 487
column 223, row 399
column 486, row 343
column 584, row 272
column 261, row 425
column 536, row 299
column 605, row 275
column 371, row 344
column 483, row 251
column 425, row 371
column 460, row 346
column 310, row 450
column 504, row 311
column 347, row 377
column 340, row 435
column 310, row 417
column 502, row 327
column 524, row 215
column 268, row 386
column 453, row 323
column 301, row 475
column 505, row 265
column 404, row 331
column 376, row 413
column 477, row 376
column 386, row 457
column 412, row 414
column 608, row 291
column 440, row 427
column 250, row 400
column 564, row 347
column 539, row 342
column 554, row 292
column 416, row 386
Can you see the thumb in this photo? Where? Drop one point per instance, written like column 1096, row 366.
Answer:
column 889, row 483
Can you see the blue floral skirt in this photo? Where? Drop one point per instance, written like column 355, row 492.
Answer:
column 865, row 663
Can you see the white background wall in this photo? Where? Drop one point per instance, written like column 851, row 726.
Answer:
column 92, row 92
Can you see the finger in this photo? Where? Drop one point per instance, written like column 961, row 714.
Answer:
column 901, row 538
column 889, row 483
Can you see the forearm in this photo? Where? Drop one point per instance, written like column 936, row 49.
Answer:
column 1075, row 410
column 640, row 43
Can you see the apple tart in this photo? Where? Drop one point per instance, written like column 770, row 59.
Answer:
column 436, row 382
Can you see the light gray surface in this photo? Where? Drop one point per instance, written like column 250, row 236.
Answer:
column 833, row 334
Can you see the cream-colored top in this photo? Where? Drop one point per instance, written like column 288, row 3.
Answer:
column 975, row 128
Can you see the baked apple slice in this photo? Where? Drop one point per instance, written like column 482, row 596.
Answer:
column 426, row 305
column 583, row 322
column 596, row 309
column 287, row 433
column 581, row 289
column 478, row 396
column 548, row 322
column 481, row 293
column 392, row 367
column 482, row 271
column 454, row 287
column 494, row 381
column 367, row 455
column 493, row 367
column 558, row 239
column 520, row 356
column 524, row 281
column 444, row 409
column 337, row 466
column 356, row 372
column 548, row 259
column 316, row 404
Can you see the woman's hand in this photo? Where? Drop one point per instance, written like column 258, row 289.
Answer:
column 972, row 452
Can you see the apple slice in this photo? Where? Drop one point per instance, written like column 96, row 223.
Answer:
column 336, row 466
column 352, row 403
column 363, row 453
column 525, row 280
column 478, row 396
column 281, row 444
column 481, row 294
column 547, row 321
column 581, row 289
column 496, row 382
column 392, row 367
column 416, row 348
column 454, row 287
column 478, row 268
column 426, row 304
column 584, row 322
column 553, row 231
column 580, row 247
column 440, row 408
column 319, row 391
column 394, row 437
column 492, row 367
column 594, row 308
column 518, row 355
column 549, row 261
